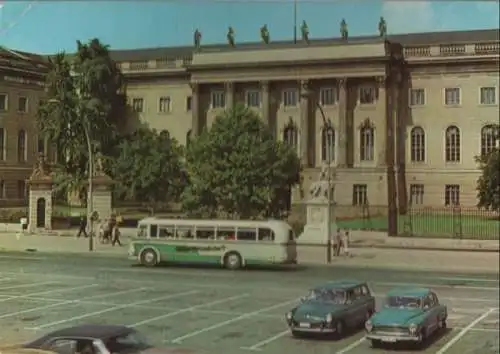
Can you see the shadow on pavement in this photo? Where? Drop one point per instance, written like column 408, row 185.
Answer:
column 248, row 268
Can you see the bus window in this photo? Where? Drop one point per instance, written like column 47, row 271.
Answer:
column 166, row 232
column 143, row 231
column 266, row 234
column 226, row 233
column 153, row 231
column 184, row 232
column 247, row 234
column 205, row 233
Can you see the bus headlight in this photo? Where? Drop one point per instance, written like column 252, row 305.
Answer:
column 329, row 318
column 413, row 328
column 368, row 326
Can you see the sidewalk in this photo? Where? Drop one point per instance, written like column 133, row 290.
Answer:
column 359, row 239
column 408, row 259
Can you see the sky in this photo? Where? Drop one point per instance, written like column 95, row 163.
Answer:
column 51, row 26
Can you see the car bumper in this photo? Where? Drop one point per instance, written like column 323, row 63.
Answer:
column 311, row 328
column 393, row 339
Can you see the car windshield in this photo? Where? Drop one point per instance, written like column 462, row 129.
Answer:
column 327, row 295
column 127, row 343
column 404, row 302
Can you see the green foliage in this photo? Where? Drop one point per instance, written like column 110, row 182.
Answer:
column 147, row 168
column 237, row 169
column 488, row 184
column 83, row 95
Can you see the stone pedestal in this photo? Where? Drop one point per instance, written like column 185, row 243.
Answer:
column 101, row 196
column 40, row 198
column 315, row 230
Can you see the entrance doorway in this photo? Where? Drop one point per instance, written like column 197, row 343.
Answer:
column 40, row 212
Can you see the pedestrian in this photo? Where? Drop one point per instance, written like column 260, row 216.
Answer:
column 115, row 236
column 345, row 242
column 338, row 242
column 83, row 227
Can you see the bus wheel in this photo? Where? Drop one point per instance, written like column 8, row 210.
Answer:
column 149, row 258
column 232, row 260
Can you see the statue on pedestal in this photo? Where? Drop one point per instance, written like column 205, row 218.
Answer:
column 264, row 34
column 41, row 168
column 230, row 36
column 305, row 31
column 344, row 33
column 382, row 27
column 197, row 39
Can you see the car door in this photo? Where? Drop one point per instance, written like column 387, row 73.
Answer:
column 430, row 321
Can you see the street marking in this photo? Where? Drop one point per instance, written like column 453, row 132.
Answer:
column 24, row 258
column 26, row 285
column 351, row 346
column 63, row 290
column 258, row 346
column 467, row 279
column 464, row 331
column 239, row 318
column 187, row 309
column 114, row 308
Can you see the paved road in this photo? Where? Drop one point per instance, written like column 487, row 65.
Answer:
column 216, row 310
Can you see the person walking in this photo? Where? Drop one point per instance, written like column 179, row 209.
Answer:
column 345, row 242
column 338, row 242
column 83, row 227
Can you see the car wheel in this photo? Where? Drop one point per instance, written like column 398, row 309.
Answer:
column 233, row 261
column 376, row 343
column 149, row 258
column 422, row 338
column 339, row 329
column 443, row 323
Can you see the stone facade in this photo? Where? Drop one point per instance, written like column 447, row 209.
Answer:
column 409, row 112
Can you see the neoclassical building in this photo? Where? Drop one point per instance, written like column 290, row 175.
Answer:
column 409, row 112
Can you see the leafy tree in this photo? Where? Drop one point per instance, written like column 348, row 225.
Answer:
column 148, row 168
column 236, row 169
column 488, row 185
column 83, row 96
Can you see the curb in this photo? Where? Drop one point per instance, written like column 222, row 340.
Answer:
column 421, row 248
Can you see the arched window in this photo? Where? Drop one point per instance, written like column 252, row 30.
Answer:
column 291, row 135
column 21, row 146
column 489, row 138
column 328, row 144
column 366, row 143
column 452, row 144
column 417, row 141
column 188, row 137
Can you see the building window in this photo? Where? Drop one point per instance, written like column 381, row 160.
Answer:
column 218, row 99
column 328, row 144
column 22, row 104
column 452, row 144
column 452, row 96
column 452, row 195
column 21, row 146
column 290, row 98
column 328, row 96
column 188, row 137
column 490, row 135
column 366, row 143
column 189, row 102
column 4, row 102
column 360, row 194
column 417, row 141
column 253, row 98
column 3, row 147
column 138, row 105
column 416, row 194
column 165, row 105
column 291, row 135
column 417, row 97
column 488, row 95
column 21, row 189
column 40, row 149
column 367, row 95
column 3, row 194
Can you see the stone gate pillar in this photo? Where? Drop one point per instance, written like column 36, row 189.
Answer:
column 101, row 192
column 40, row 197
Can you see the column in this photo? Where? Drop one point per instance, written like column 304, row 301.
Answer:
column 385, row 97
column 229, row 95
column 343, row 132
column 304, row 122
column 195, row 109
column 264, row 109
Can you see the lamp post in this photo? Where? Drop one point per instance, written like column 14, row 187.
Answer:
column 327, row 128
column 90, row 206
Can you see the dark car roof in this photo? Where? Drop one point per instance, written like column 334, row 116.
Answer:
column 96, row 331
column 340, row 284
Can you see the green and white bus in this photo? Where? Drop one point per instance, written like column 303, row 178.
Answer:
column 232, row 243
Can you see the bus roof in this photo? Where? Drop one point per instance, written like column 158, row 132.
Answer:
column 214, row 222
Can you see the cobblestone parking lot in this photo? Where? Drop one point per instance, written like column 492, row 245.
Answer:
column 215, row 310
